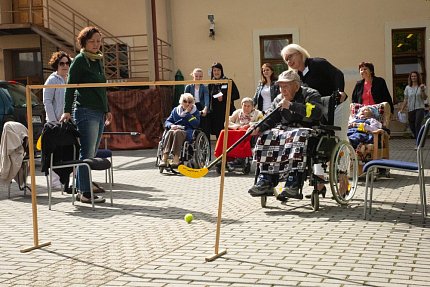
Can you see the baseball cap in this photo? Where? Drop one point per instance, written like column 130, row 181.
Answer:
column 288, row 76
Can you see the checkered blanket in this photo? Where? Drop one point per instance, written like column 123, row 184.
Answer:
column 282, row 151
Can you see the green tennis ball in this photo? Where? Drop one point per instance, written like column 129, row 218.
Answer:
column 188, row 217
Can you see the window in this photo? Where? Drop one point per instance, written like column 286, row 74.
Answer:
column 270, row 51
column 408, row 55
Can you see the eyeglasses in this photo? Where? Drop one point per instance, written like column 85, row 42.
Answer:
column 189, row 102
column 289, row 57
column 62, row 64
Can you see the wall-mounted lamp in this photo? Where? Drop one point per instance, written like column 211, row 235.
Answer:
column 211, row 19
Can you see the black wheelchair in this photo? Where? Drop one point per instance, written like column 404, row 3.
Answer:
column 194, row 154
column 337, row 158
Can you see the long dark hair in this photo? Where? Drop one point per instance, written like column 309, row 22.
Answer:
column 272, row 77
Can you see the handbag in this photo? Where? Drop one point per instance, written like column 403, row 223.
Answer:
column 402, row 117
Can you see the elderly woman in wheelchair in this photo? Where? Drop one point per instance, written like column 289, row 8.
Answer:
column 281, row 152
column 180, row 125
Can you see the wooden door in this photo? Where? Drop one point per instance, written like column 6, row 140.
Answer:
column 28, row 11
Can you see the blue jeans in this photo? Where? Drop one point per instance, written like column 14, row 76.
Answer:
column 90, row 125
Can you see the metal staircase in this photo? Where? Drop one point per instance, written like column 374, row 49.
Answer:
column 125, row 57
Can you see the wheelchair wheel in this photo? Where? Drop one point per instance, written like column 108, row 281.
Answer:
column 315, row 200
column 202, row 151
column 263, row 199
column 343, row 172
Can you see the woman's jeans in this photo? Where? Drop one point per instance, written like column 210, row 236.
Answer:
column 415, row 119
column 90, row 126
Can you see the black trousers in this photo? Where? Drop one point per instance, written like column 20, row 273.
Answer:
column 415, row 119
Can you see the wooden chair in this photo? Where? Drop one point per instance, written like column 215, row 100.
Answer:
column 380, row 146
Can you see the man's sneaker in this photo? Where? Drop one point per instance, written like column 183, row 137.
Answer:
column 262, row 187
column 289, row 192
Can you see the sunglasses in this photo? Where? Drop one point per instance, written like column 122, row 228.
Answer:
column 185, row 101
column 62, row 64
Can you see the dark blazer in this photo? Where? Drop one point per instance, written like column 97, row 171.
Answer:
column 258, row 99
column 379, row 91
column 322, row 76
column 217, row 115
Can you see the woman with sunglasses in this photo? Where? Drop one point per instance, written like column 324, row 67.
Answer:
column 181, row 123
column 92, row 110
column 53, row 99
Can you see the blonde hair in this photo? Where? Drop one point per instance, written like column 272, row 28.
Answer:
column 195, row 71
column 297, row 48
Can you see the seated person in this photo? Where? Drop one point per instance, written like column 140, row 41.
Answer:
column 361, row 126
column 245, row 117
column 281, row 152
column 239, row 122
column 181, row 123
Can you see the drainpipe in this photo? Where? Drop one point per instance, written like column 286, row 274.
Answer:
column 154, row 40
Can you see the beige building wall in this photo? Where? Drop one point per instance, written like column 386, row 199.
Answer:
column 15, row 42
column 345, row 32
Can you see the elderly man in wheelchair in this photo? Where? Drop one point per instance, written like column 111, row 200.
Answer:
column 290, row 147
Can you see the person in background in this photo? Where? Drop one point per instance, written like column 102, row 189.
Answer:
column 53, row 99
column 239, row 122
column 218, row 99
column 181, row 123
column 267, row 89
column 415, row 96
column 321, row 75
column 201, row 99
column 92, row 110
column 371, row 89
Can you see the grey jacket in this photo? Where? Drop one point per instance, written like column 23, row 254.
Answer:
column 53, row 99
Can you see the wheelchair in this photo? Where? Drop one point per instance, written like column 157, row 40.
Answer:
column 194, row 154
column 337, row 158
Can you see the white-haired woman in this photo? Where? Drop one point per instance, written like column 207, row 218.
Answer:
column 181, row 123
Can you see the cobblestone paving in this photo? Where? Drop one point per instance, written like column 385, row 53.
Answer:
column 142, row 240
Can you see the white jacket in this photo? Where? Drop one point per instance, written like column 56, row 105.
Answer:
column 11, row 150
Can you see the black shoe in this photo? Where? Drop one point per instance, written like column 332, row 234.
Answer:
column 262, row 187
column 323, row 191
column 289, row 192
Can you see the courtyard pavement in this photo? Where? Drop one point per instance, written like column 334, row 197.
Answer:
column 143, row 240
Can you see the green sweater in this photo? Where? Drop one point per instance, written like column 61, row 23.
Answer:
column 81, row 71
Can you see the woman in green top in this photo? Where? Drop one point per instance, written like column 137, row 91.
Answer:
column 91, row 112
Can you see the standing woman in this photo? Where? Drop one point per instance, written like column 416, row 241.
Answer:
column 267, row 89
column 371, row 89
column 219, row 102
column 201, row 99
column 415, row 95
column 92, row 111
column 316, row 73
column 53, row 99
